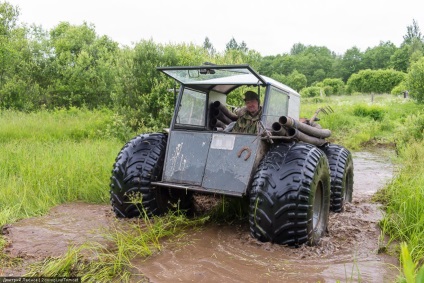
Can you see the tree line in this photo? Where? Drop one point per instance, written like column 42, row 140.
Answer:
column 73, row 66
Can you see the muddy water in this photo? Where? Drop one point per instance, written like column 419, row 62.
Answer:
column 226, row 253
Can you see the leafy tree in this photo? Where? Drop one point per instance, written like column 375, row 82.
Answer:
column 8, row 54
column 416, row 50
column 315, row 62
column 82, row 67
column 280, row 64
column 297, row 49
column 295, row 80
column 318, row 75
column 266, row 65
column 8, row 18
column 41, row 53
column 233, row 45
column 412, row 32
column 232, row 57
column 209, row 47
column 400, row 58
column 142, row 94
column 243, row 47
column 279, row 78
column 410, row 50
column 351, row 62
column 378, row 57
column 415, row 80
column 18, row 88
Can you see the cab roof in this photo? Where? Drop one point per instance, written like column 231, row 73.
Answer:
column 220, row 78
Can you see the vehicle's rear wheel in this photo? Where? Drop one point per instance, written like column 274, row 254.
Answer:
column 138, row 164
column 290, row 195
column 341, row 169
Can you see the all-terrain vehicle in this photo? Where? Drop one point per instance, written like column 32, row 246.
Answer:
column 290, row 175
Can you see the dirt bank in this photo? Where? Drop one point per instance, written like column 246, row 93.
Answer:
column 226, row 253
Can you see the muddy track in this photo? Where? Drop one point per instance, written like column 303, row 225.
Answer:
column 227, row 253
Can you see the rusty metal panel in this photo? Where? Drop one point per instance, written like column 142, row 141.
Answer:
column 186, row 157
column 230, row 161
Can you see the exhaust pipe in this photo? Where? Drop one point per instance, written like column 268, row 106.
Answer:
column 309, row 130
column 216, row 113
column 217, row 123
column 278, row 129
column 225, row 110
column 292, row 133
column 305, row 138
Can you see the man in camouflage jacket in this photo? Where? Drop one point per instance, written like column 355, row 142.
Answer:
column 250, row 115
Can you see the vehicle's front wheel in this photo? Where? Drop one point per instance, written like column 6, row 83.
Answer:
column 341, row 168
column 290, row 195
column 138, row 164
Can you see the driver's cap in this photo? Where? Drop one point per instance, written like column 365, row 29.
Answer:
column 251, row 95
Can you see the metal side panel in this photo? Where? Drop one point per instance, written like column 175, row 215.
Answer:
column 186, row 157
column 225, row 170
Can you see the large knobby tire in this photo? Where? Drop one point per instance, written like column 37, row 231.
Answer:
column 138, row 164
column 341, row 169
column 290, row 195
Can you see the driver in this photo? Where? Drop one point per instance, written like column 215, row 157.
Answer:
column 250, row 115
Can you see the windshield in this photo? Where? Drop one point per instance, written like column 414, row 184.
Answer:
column 213, row 74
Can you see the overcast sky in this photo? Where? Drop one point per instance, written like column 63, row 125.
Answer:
column 270, row 27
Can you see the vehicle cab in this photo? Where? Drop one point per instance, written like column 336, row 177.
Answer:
column 203, row 157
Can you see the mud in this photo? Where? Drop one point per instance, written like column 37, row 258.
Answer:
column 227, row 253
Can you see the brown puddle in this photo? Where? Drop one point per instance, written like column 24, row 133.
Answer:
column 227, row 253
column 224, row 253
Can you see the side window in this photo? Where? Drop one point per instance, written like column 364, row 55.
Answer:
column 277, row 106
column 192, row 108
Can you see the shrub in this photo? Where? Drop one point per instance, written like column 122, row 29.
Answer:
column 413, row 125
column 333, row 86
column 415, row 80
column 312, row 91
column 375, row 81
column 400, row 88
column 373, row 111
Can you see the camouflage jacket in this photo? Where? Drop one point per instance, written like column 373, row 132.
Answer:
column 246, row 123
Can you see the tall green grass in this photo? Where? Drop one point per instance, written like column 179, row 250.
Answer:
column 48, row 158
column 37, row 175
column 358, row 121
column 404, row 201
column 412, row 273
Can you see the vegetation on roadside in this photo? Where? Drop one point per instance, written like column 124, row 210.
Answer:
column 398, row 123
column 52, row 157
column 359, row 121
column 410, row 271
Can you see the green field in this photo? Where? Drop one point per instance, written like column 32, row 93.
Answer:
column 53, row 157
column 48, row 158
